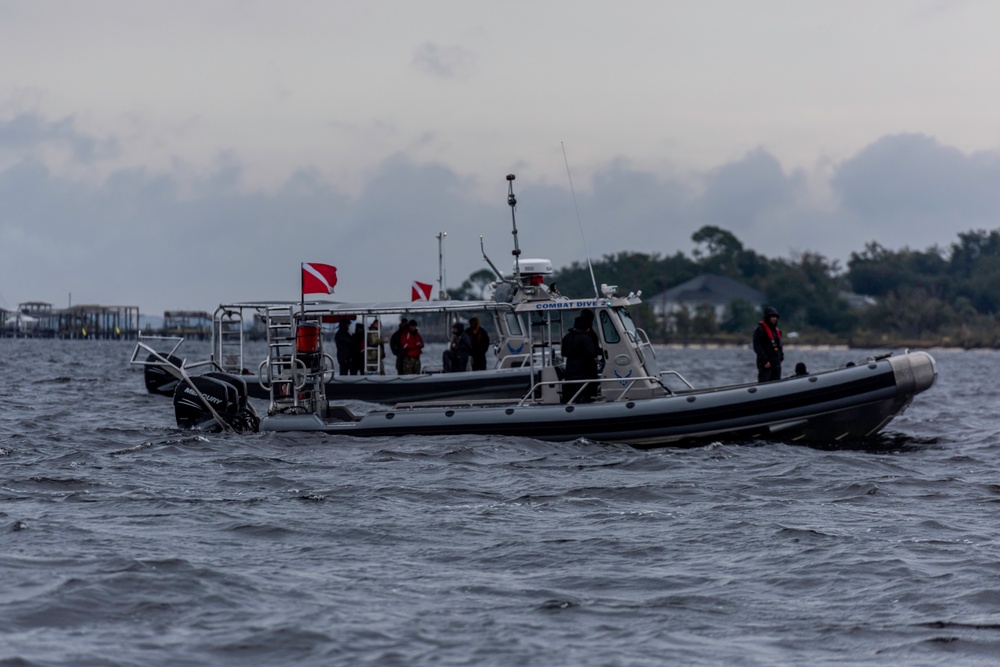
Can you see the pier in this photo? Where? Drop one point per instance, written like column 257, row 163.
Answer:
column 187, row 323
column 36, row 319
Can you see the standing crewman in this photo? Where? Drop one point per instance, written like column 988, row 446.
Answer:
column 343, row 341
column 396, row 344
column 456, row 357
column 767, row 347
column 412, row 344
column 480, row 344
column 583, row 355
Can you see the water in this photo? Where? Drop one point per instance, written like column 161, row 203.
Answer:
column 124, row 541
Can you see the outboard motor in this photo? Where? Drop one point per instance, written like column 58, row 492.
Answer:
column 245, row 419
column 227, row 394
column 158, row 379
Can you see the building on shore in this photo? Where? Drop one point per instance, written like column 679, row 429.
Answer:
column 36, row 319
column 706, row 291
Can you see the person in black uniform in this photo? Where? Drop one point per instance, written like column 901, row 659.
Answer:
column 343, row 341
column 581, row 350
column 480, row 341
column 767, row 347
column 456, row 357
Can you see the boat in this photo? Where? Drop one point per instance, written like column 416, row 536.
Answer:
column 509, row 377
column 636, row 402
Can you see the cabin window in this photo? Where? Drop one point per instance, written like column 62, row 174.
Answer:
column 608, row 328
column 627, row 323
column 514, row 327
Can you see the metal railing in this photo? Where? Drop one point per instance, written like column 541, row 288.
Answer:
column 627, row 383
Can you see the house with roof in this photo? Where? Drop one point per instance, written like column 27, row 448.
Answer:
column 707, row 289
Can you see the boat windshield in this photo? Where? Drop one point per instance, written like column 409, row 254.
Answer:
column 627, row 323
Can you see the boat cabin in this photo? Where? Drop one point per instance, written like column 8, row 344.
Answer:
column 530, row 321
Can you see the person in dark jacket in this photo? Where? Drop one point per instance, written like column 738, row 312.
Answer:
column 588, row 320
column 343, row 341
column 480, row 344
column 767, row 347
column 581, row 351
column 456, row 357
column 396, row 344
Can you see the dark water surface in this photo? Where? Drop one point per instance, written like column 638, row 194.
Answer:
column 124, row 541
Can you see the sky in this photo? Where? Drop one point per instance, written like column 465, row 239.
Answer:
column 179, row 154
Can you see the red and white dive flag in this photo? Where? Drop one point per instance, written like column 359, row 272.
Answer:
column 318, row 278
column 420, row 291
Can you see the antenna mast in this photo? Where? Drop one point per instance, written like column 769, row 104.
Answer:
column 512, row 202
column 442, row 295
column 572, row 190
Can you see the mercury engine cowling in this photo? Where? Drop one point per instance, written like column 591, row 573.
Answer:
column 227, row 394
column 157, row 378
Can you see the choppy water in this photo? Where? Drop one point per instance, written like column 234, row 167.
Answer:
column 124, row 541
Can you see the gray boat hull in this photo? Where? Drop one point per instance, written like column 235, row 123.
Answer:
column 846, row 403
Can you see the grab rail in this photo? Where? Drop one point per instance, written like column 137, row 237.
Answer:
column 679, row 377
column 292, row 365
column 162, row 361
column 643, row 341
column 628, row 384
column 182, row 375
column 139, row 345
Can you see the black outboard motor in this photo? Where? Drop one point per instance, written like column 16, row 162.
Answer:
column 227, row 394
column 158, row 379
column 245, row 419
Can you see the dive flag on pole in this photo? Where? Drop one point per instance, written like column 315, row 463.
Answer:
column 420, row 291
column 318, row 278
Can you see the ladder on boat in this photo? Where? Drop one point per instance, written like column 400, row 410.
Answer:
column 286, row 371
column 280, row 361
column 229, row 340
column 374, row 344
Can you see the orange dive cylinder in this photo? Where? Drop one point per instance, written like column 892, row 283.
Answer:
column 307, row 338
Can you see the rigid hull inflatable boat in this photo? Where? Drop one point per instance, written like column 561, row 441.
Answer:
column 852, row 402
column 634, row 402
column 508, row 377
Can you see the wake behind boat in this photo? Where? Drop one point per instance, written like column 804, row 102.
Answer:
column 635, row 403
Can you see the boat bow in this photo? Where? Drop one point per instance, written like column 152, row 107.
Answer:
column 915, row 372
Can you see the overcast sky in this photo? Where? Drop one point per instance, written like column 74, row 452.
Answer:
column 177, row 154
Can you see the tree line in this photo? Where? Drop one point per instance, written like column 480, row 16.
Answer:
column 937, row 296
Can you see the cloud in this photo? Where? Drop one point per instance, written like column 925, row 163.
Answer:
column 912, row 177
column 749, row 189
column 29, row 131
column 449, row 62
column 195, row 237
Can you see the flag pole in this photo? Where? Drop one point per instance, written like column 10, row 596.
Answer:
column 302, row 284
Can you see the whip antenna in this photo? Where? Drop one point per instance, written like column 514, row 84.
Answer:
column 512, row 202
column 590, row 266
